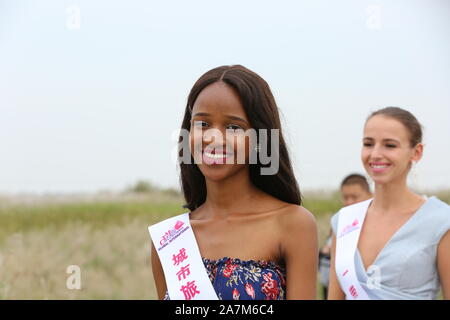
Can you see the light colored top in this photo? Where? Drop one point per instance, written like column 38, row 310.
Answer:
column 407, row 263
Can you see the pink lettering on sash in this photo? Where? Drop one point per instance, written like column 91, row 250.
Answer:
column 189, row 290
column 353, row 291
column 180, row 257
column 184, row 272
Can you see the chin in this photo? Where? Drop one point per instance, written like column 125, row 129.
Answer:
column 381, row 180
column 218, row 174
column 215, row 177
column 215, row 174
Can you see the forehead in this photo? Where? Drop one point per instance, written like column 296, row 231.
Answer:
column 219, row 99
column 352, row 188
column 382, row 127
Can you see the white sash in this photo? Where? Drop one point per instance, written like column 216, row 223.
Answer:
column 185, row 273
column 350, row 222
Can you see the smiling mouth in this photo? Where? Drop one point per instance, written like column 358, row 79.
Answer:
column 216, row 155
column 379, row 166
column 212, row 156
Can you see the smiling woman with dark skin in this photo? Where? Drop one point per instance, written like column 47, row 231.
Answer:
column 242, row 220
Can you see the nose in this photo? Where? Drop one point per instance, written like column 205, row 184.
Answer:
column 376, row 152
column 212, row 135
column 214, row 138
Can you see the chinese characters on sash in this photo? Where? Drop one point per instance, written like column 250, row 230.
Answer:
column 184, row 271
column 189, row 288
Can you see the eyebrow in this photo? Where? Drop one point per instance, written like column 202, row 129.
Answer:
column 385, row 140
column 204, row 114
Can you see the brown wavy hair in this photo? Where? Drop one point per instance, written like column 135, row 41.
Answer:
column 406, row 118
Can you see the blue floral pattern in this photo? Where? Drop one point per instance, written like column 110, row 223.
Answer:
column 235, row 279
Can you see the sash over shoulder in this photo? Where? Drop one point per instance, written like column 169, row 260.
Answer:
column 184, row 271
column 350, row 222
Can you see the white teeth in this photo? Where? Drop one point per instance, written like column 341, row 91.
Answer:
column 215, row 155
column 379, row 166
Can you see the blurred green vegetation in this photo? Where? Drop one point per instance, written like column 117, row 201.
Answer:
column 321, row 204
column 147, row 187
column 21, row 218
column 106, row 234
column 157, row 205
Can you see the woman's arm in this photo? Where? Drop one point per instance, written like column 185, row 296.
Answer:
column 158, row 274
column 443, row 262
column 334, row 289
column 299, row 247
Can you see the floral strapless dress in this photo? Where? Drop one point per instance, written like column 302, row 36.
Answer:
column 235, row 279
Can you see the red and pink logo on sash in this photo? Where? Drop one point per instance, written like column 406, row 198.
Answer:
column 350, row 228
column 172, row 234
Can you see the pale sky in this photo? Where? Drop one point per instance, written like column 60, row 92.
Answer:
column 94, row 107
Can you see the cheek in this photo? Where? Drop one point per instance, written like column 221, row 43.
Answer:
column 239, row 144
column 364, row 155
column 398, row 156
column 195, row 140
column 359, row 197
column 244, row 143
column 405, row 159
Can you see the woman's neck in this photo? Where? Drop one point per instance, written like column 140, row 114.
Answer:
column 230, row 195
column 394, row 196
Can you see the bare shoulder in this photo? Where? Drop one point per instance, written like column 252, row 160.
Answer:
column 298, row 236
column 294, row 217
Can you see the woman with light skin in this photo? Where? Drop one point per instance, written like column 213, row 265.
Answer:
column 255, row 239
column 403, row 235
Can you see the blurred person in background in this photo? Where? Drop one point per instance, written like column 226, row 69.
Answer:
column 354, row 189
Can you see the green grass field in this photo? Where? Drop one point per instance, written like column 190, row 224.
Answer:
column 106, row 236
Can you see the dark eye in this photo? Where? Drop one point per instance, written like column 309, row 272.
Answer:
column 367, row 144
column 234, row 127
column 391, row 145
column 200, row 124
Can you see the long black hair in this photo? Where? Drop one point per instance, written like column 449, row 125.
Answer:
column 262, row 112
